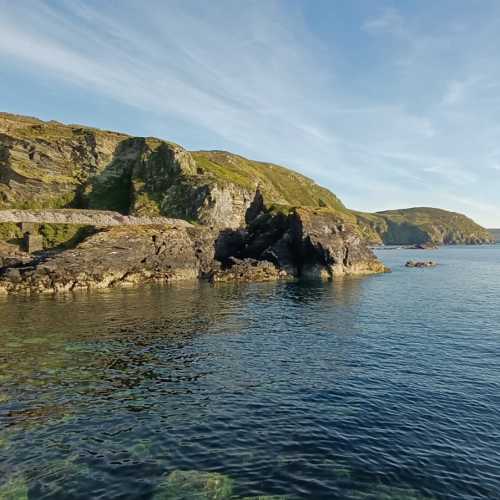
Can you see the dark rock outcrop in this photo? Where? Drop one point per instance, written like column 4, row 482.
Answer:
column 248, row 270
column 426, row 263
column 312, row 243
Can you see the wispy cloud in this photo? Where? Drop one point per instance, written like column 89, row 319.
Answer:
column 416, row 124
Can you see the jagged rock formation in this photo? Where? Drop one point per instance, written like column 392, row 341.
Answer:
column 304, row 242
column 311, row 243
column 248, row 270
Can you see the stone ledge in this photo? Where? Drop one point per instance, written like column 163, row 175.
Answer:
column 97, row 218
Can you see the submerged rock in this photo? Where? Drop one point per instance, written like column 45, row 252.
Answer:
column 382, row 492
column 194, row 485
column 16, row 488
column 267, row 497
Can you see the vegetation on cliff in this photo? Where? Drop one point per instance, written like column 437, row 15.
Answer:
column 421, row 225
column 278, row 185
column 52, row 165
column 495, row 233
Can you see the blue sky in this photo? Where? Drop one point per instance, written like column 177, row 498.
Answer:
column 390, row 104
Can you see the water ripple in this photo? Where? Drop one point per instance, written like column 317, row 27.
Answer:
column 378, row 388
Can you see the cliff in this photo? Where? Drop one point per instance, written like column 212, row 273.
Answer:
column 495, row 233
column 52, row 165
column 421, row 225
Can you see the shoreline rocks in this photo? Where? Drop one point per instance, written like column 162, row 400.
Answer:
column 302, row 243
column 420, row 264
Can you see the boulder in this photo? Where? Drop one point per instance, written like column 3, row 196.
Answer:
column 248, row 270
column 427, row 263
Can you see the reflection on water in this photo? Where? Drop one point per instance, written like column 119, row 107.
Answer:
column 382, row 387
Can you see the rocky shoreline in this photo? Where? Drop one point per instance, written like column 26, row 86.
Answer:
column 303, row 243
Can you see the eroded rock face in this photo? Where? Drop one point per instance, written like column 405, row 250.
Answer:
column 312, row 243
column 124, row 255
column 328, row 247
column 300, row 243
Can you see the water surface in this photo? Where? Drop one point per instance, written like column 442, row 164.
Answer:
column 379, row 387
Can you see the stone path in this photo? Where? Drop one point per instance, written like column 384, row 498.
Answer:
column 98, row 218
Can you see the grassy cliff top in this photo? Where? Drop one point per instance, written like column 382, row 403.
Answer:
column 428, row 215
column 278, row 184
column 413, row 225
column 33, row 128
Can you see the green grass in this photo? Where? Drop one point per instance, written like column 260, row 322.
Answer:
column 419, row 225
column 278, row 185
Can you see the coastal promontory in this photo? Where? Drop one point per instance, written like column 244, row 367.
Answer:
column 104, row 208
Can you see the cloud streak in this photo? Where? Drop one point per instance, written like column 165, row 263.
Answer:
column 258, row 78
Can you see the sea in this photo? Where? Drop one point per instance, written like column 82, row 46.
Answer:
column 378, row 387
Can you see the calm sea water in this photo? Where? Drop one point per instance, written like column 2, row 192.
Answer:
column 381, row 387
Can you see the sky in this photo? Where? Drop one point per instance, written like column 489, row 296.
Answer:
column 390, row 104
